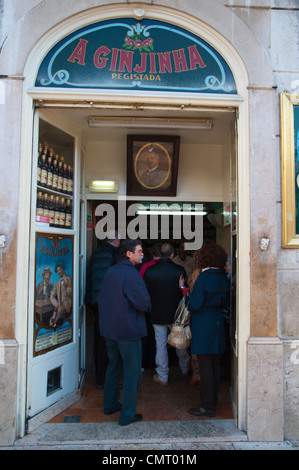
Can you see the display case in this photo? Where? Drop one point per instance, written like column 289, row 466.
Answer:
column 54, row 178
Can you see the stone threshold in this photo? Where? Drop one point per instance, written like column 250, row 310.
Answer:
column 137, row 433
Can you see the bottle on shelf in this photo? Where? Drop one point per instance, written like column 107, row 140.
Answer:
column 68, row 214
column 51, row 211
column 45, row 205
column 60, row 177
column 65, row 179
column 56, row 212
column 44, row 172
column 45, row 149
column 39, row 204
column 70, row 180
column 62, row 213
column 55, row 175
column 39, row 163
column 50, row 173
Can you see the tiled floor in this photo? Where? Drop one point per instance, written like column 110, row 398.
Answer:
column 155, row 402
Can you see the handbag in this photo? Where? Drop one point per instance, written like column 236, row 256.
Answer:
column 180, row 334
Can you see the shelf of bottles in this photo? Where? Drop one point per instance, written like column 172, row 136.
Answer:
column 54, row 189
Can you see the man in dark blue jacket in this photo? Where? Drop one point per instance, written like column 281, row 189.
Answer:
column 122, row 302
column 103, row 258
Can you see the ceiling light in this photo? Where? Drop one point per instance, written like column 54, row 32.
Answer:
column 139, row 122
column 165, row 212
column 103, row 186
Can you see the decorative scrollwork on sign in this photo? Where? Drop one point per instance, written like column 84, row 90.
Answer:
column 62, row 75
column 213, row 82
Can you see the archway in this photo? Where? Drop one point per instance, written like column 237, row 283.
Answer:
column 240, row 102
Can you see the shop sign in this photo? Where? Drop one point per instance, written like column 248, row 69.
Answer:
column 146, row 55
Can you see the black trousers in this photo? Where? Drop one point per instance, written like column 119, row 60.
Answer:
column 101, row 358
column 148, row 345
column 210, row 374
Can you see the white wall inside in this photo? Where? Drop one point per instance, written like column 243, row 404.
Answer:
column 199, row 173
column 204, row 156
column 106, row 160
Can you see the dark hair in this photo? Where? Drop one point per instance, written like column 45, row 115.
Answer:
column 128, row 245
column 210, row 255
column 156, row 250
column 111, row 236
column 60, row 264
column 167, row 249
column 157, row 150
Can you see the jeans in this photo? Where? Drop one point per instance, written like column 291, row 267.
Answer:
column 162, row 368
column 101, row 358
column 125, row 357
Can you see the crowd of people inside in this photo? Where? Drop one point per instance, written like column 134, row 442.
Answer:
column 134, row 300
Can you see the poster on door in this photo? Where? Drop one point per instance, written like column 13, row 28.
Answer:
column 53, row 299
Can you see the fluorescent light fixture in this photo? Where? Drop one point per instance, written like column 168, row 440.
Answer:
column 139, row 122
column 103, row 186
column 166, row 212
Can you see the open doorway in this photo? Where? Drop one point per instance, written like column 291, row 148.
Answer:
column 156, row 402
column 206, row 176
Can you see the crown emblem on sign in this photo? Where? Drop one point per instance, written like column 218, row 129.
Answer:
column 138, row 39
column 55, row 242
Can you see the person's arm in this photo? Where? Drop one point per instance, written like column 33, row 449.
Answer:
column 197, row 296
column 137, row 293
column 54, row 296
column 185, row 289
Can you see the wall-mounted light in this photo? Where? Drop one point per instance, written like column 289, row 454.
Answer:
column 139, row 122
column 103, row 186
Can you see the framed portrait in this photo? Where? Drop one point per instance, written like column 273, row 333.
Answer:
column 53, row 298
column 152, row 165
column 289, row 116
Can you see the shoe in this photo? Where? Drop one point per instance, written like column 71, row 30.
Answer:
column 201, row 412
column 118, row 408
column 194, row 381
column 136, row 418
column 158, row 381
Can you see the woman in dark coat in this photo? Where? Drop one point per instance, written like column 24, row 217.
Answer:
column 209, row 297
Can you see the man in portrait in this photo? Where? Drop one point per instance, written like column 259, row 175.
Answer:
column 44, row 288
column 154, row 176
column 61, row 295
column 43, row 306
